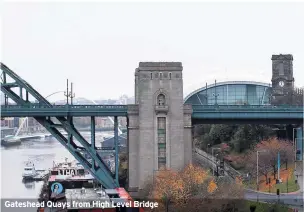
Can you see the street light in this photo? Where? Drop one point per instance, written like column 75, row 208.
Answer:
column 213, row 148
column 259, row 151
column 294, row 142
column 215, row 95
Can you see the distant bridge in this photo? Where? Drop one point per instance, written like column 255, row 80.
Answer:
column 201, row 113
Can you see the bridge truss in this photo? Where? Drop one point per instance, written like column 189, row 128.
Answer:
column 57, row 124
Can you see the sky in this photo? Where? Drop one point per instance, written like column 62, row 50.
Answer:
column 97, row 46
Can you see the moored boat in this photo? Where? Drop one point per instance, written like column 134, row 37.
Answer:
column 29, row 171
column 10, row 140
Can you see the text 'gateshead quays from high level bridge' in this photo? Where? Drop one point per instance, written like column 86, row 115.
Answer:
column 160, row 122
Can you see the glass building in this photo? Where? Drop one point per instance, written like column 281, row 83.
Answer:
column 231, row 93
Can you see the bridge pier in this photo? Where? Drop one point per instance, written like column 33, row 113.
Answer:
column 299, row 143
column 93, row 139
column 116, row 149
column 159, row 125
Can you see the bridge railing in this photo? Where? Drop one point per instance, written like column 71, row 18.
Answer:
column 245, row 107
column 38, row 106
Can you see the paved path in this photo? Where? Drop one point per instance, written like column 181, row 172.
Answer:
column 291, row 199
column 295, row 200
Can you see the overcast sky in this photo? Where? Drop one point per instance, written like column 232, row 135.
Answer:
column 99, row 45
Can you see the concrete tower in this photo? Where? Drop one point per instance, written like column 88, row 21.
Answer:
column 282, row 79
column 159, row 124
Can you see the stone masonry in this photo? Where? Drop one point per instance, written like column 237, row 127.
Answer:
column 158, row 95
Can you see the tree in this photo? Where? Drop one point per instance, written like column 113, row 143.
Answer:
column 269, row 158
column 191, row 189
column 239, row 137
column 221, row 133
column 123, row 169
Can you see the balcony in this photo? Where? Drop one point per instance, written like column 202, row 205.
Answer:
column 161, row 109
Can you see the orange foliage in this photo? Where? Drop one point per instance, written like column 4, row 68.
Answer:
column 178, row 186
column 268, row 155
column 212, row 186
column 275, row 145
column 238, row 181
column 191, row 190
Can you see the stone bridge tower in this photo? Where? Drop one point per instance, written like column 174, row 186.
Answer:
column 159, row 125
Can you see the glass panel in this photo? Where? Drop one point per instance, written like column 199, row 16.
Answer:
column 161, row 160
column 162, row 152
column 161, row 123
column 161, row 166
column 232, row 95
column 161, row 138
column 161, row 131
column 162, row 145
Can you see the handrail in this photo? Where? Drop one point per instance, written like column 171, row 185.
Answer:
column 194, row 107
column 197, row 107
column 37, row 106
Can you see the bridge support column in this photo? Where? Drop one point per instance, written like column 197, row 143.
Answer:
column 160, row 133
column 133, row 149
column 299, row 144
column 93, row 138
column 116, row 149
column 188, row 134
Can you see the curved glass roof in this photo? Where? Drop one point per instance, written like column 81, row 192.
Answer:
column 231, row 93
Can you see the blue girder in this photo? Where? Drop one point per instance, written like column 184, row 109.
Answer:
column 38, row 110
column 98, row 168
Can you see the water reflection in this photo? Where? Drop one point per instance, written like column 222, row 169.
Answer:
column 29, row 184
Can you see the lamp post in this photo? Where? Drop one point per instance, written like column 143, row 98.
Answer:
column 213, row 148
column 215, row 94
column 258, row 172
column 66, row 93
column 294, row 142
column 71, row 94
column 208, row 147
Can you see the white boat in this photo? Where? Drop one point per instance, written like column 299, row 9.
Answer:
column 32, row 173
column 29, row 171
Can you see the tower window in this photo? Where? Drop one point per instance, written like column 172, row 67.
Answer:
column 161, row 75
column 170, row 75
column 161, row 100
column 281, row 69
column 161, row 132
column 151, row 75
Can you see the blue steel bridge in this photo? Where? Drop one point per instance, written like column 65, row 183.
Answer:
column 201, row 113
column 222, row 103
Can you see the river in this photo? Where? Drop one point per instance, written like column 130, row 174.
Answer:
column 42, row 153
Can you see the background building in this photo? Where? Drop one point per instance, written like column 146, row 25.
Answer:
column 232, row 93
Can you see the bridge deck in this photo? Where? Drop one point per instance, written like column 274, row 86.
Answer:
column 63, row 110
column 206, row 112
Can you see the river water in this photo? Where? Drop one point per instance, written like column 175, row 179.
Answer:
column 42, row 153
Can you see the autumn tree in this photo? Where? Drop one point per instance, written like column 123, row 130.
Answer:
column 191, row 189
column 123, row 170
column 268, row 158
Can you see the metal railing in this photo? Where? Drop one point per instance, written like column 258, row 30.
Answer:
column 245, row 107
column 38, row 106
